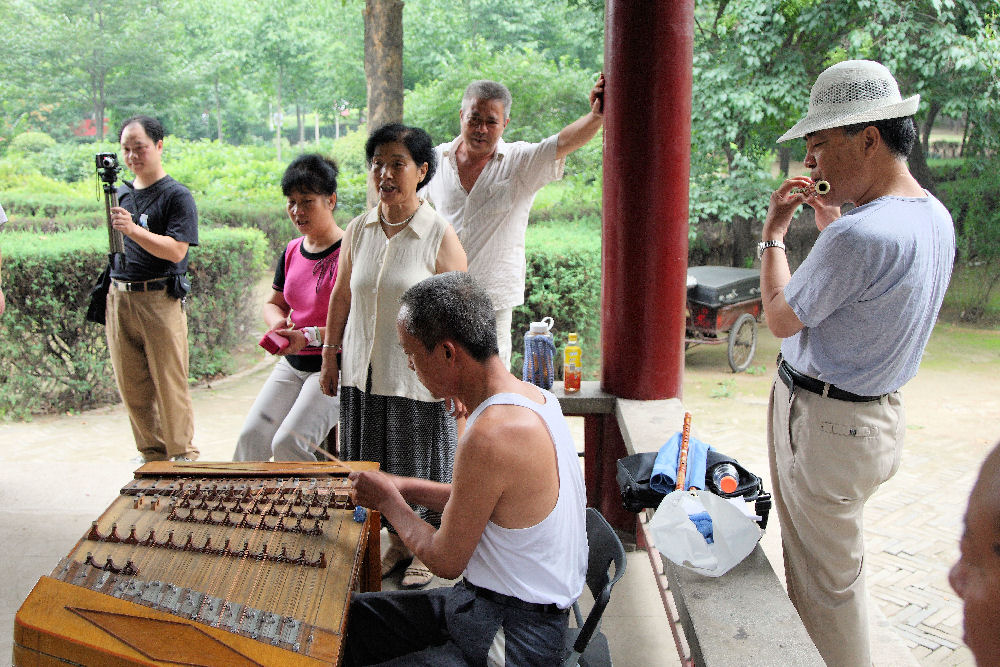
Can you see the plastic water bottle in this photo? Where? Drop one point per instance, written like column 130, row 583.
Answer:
column 725, row 478
column 572, row 365
column 539, row 352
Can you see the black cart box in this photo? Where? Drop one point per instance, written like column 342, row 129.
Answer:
column 716, row 286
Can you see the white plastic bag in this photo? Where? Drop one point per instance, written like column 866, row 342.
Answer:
column 677, row 538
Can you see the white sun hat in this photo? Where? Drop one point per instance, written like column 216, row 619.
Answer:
column 854, row 91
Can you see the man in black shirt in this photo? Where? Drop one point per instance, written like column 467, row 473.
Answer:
column 146, row 322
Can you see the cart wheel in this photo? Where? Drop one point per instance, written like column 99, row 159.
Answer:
column 742, row 342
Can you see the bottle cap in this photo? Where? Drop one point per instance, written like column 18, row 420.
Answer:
column 571, row 338
column 542, row 327
column 728, row 484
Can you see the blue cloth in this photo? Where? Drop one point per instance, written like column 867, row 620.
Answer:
column 664, row 477
column 703, row 522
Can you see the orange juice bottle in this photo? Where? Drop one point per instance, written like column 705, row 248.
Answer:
column 572, row 367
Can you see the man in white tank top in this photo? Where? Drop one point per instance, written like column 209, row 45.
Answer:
column 513, row 519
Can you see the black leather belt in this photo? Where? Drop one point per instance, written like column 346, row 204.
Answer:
column 792, row 378
column 510, row 601
column 141, row 285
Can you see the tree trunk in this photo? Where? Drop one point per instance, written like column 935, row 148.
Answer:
column 300, row 116
column 383, row 65
column 965, row 134
column 784, row 160
column 919, row 168
column 98, row 103
column 744, row 242
column 101, row 110
column 925, row 138
column 218, row 111
column 98, row 77
column 384, row 61
column 279, row 119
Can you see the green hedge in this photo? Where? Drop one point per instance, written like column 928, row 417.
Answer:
column 53, row 360
column 945, row 170
column 49, row 214
column 563, row 282
column 974, row 203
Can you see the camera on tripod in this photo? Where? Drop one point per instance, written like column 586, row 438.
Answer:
column 107, row 172
column 107, row 167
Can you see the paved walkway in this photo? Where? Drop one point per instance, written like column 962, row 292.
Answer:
column 913, row 522
column 59, row 473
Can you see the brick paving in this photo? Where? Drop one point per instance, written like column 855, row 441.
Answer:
column 913, row 523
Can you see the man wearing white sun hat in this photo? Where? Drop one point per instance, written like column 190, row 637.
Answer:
column 855, row 318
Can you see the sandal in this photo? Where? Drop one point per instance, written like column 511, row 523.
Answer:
column 393, row 558
column 417, row 575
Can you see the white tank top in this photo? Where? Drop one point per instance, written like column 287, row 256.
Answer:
column 547, row 562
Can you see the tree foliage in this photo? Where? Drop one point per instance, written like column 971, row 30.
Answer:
column 555, row 31
column 223, row 70
column 755, row 62
column 218, row 71
column 82, row 58
column 547, row 95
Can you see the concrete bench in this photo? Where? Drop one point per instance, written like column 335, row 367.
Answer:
column 743, row 617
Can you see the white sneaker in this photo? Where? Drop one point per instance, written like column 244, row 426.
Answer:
column 138, row 460
column 180, row 458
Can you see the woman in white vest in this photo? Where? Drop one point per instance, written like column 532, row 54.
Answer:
column 386, row 415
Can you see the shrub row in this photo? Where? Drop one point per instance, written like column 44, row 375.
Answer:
column 53, row 360
column 974, row 203
column 563, row 281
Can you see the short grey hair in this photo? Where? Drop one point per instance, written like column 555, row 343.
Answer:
column 485, row 90
column 451, row 306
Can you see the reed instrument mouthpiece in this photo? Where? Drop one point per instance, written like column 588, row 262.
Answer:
column 817, row 188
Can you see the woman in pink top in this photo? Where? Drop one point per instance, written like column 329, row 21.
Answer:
column 291, row 415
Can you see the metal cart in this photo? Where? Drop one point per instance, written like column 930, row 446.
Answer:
column 723, row 306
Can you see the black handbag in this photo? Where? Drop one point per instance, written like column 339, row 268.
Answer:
column 99, row 296
column 635, row 471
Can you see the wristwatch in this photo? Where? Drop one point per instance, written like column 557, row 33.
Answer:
column 312, row 336
column 764, row 245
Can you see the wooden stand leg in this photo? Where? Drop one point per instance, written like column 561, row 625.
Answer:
column 371, row 564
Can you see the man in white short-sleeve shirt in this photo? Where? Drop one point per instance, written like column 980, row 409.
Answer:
column 485, row 188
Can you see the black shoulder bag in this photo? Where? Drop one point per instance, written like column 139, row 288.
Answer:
column 635, row 471
column 98, row 305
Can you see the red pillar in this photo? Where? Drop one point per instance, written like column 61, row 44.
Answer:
column 647, row 153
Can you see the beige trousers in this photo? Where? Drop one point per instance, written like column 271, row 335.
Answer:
column 827, row 457
column 147, row 339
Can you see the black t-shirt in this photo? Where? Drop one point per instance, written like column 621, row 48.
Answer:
column 166, row 208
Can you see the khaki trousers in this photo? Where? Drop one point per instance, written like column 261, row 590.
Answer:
column 827, row 457
column 147, row 339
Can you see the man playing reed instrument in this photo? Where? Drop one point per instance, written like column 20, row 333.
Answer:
column 855, row 318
